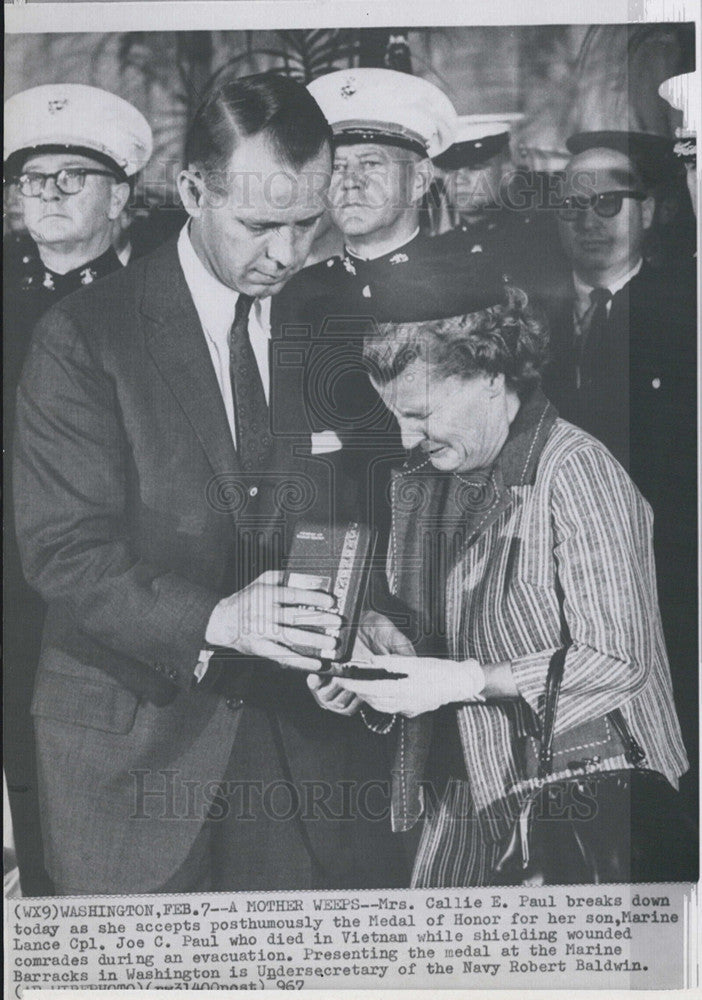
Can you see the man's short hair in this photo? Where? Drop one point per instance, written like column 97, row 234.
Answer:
column 268, row 104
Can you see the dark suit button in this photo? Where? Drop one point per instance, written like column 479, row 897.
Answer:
column 234, row 704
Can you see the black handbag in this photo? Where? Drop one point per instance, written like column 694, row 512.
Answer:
column 593, row 826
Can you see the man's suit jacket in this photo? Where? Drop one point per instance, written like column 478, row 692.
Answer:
column 27, row 294
column 134, row 519
column 642, row 403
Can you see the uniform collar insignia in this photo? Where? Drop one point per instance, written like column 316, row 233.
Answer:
column 48, row 281
column 349, row 265
column 399, row 258
column 87, row 275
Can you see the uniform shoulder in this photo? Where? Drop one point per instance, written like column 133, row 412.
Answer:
column 456, row 237
column 102, row 316
column 316, row 273
column 459, row 250
column 311, row 283
column 117, row 290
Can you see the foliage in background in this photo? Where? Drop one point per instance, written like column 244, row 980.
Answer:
column 561, row 77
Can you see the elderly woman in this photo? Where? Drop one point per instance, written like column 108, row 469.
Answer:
column 514, row 535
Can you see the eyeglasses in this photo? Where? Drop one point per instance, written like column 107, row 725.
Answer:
column 70, row 180
column 606, row 205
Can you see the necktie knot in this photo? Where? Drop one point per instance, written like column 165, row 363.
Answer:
column 600, row 296
column 241, row 316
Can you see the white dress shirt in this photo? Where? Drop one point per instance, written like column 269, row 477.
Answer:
column 124, row 255
column 582, row 291
column 215, row 304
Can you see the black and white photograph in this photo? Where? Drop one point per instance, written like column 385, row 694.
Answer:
column 351, row 496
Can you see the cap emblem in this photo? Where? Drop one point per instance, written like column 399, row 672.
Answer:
column 58, row 104
column 348, row 88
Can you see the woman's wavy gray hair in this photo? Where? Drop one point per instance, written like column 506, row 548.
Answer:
column 508, row 338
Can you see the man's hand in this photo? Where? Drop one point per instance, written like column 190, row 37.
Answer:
column 430, row 683
column 382, row 637
column 269, row 620
column 329, row 694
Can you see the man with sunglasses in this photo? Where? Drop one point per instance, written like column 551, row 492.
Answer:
column 623, row 347
column 70, row 155
column 615, row 369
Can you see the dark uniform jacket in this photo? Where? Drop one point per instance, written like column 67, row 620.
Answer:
column 330, row 306
column 523, row 245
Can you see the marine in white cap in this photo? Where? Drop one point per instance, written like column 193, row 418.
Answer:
column 475, row 166
column 70, row 151
column 497, row 208
column 387, row 126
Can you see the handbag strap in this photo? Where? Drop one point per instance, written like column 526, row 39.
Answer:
column 633, row 751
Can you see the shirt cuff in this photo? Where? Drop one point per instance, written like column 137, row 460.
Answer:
column 203, row 663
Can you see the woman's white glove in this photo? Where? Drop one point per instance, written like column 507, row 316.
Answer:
column 429, row 684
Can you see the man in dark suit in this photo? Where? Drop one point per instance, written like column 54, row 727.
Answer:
column 156, row 497
column 624, row 364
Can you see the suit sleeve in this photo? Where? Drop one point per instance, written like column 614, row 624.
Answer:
column 604, row 558
column 71, row 470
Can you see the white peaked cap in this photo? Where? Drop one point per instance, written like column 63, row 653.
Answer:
column 77, row 118
column 382, row 105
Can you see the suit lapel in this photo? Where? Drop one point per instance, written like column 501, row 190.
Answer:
column 176, row 342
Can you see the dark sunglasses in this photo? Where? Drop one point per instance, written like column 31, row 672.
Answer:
column 606, row 205
column 70, row 180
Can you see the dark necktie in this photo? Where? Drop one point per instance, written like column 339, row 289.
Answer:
column 590, row 336
column 253, row 438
